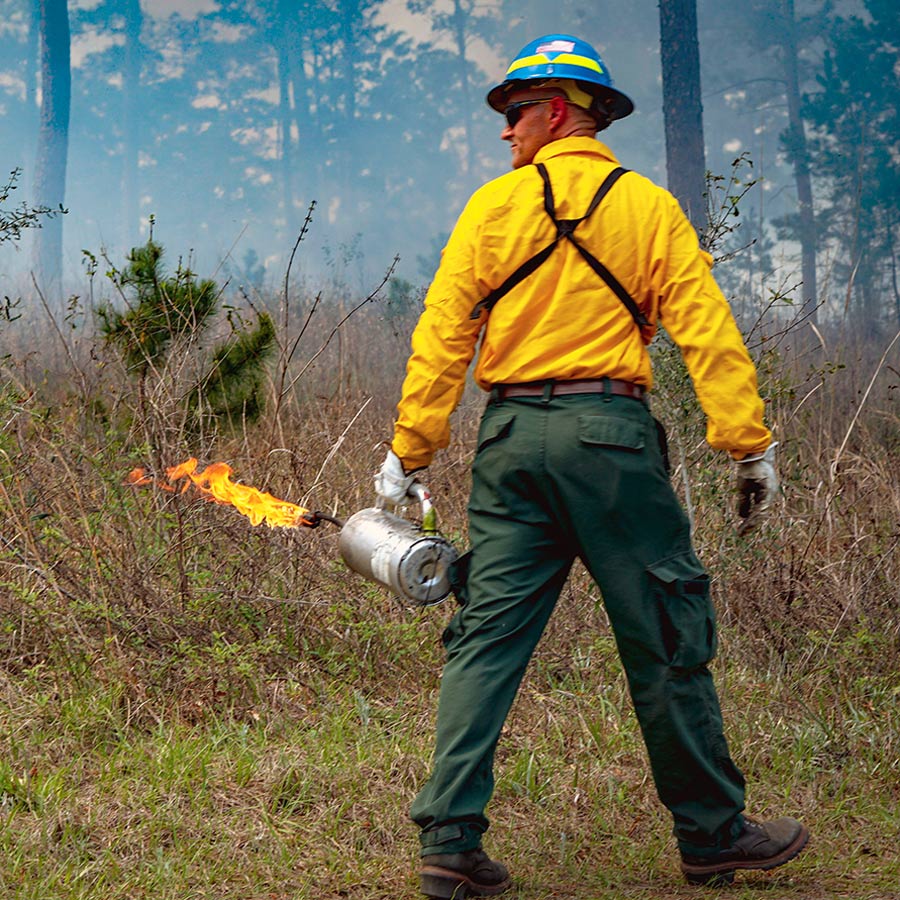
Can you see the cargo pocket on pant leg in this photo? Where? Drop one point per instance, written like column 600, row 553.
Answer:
column 687, row 616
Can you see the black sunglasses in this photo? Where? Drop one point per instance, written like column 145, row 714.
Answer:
column 513, row 112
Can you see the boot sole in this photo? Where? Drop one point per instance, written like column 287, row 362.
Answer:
column 447, row 884
column 723, row 873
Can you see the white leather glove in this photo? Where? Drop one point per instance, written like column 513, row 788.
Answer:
column 392, row 484
column 757, row 486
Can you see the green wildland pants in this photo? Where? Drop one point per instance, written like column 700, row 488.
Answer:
column 555, row 479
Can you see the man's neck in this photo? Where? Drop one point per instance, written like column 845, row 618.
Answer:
column 575, row 131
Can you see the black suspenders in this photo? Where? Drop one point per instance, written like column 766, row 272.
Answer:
column 565, row 229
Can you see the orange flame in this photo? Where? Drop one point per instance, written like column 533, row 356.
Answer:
column 215, row 483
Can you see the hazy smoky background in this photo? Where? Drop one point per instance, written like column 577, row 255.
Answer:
column 224, row 121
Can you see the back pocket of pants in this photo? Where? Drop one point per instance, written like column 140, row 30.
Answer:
column 612, row 431
column 687, row 616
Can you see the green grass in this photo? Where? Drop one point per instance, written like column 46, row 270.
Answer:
column 306, row 795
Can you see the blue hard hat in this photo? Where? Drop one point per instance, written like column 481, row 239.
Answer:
column 561, row 56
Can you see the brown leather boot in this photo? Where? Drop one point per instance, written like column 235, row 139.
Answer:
column 452, row 876
column 761, row 845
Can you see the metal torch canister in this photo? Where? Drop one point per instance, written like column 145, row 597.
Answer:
column 412, row 562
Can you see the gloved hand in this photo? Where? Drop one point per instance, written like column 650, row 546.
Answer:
column 392, row 484
column 757, row 485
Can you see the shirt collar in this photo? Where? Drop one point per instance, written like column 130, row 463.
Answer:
column 582, row 145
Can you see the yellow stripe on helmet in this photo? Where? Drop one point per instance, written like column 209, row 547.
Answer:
column 539, row 59
column 573, row 59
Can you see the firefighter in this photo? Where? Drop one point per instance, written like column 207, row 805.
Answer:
column 564, row 267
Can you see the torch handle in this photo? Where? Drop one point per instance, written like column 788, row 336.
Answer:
column 429, row 516
column 421, row 493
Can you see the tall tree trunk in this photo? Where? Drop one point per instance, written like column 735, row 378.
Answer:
column 285, row 140
column 893, row 254
column 131, row 214
column 796, row 140
column 682, row 107
column 53, row 134
column 350, row 14
column 286, row 36
column 301, row 127
column 459, row 35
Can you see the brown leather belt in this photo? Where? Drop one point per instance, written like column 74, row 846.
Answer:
column 548, row 389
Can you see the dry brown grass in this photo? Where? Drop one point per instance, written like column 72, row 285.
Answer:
column 197, row 708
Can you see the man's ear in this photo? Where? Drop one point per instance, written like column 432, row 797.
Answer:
column 559, row 112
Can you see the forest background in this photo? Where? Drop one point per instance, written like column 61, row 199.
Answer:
column 225, row 120
column 194, row 707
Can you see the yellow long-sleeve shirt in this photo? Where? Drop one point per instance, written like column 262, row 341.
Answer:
column 562, row 322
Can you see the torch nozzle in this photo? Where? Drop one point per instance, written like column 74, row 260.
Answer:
column 315, row 519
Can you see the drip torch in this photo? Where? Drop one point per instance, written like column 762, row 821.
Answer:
column 411, row 561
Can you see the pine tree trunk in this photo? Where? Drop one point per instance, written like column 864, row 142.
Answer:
column 800, row 158
column 53, row 134
column 285, row 142
column 130, row 123
column 682, row 107
column 459, row 37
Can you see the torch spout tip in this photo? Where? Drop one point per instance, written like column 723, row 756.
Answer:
column 316, row 519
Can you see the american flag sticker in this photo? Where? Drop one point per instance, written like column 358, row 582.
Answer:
column 556, row 46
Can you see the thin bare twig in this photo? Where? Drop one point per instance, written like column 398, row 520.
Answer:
column 834, row 463
column 287, row 274
column 287, row 354
column 312, row 310
column 334, row 449
column 337, row 327
column 62, row 340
